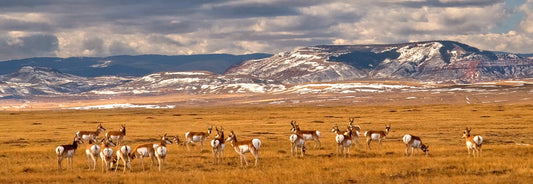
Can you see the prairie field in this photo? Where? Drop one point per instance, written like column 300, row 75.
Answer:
column 29, row 140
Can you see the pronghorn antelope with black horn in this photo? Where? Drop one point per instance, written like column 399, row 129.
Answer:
column 218, row 145
column 414, row 142
column 243, row 147
column 88, row 135
column 297, row 142
column 376, row 135
column 123, row 154
column 191, row 137
column 117, row 136
column 106, row 153
column 161, row 151
column 473, row 143
column 92, row 150
column 144, row 150
column 355, row 129
column 67, row 151
column 344, row 141
column 307, row 134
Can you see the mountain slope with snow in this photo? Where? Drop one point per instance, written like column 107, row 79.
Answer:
column 436, row 61
column 302, row 70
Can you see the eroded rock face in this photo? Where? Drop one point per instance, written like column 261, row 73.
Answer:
column 436, row 61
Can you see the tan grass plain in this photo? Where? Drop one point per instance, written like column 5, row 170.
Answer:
column 29, row 138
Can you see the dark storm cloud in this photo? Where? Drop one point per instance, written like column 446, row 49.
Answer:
column 36, row 45
column 108, row 27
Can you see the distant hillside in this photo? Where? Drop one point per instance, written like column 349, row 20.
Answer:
column 131, row 65
column 430, row 61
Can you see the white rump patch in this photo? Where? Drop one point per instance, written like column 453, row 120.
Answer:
column 59, row 150
column 256, row 143
column 107, row 152
column 339, row 139
column 214, row 143
column 125, row 149
column 478, row 139
column 406, row 138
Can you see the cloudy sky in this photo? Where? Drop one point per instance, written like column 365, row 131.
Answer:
column 67, row 28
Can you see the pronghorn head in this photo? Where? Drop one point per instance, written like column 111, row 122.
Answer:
column 93, row 140
column 232, row 137
column 387, row 128
column 351, row 121
column 425, row 149
column 177, row 140
column 220, row 132
column 466, row 133
column 123, row 128
column 107, row 142
column 100, row 128
column 114, row 160
column 209, row 129
column 293, row 129
column 335, row 129
column 77, row 140
column 165, row 139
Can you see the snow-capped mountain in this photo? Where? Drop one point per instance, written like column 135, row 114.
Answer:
column 286, row 72
column 38, row 81
column 437, row 61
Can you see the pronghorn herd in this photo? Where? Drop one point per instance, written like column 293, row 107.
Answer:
column 157, row 152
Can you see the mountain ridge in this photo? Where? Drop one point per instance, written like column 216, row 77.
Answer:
column 439, row 62
column 128, row 65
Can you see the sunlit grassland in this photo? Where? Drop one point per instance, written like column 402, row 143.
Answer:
column 29, row 138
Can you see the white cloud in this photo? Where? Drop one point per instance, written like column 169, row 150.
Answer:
column 196, row 27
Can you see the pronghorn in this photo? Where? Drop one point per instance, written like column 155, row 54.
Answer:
column 144, row 150
column 218, row 145
column 88, row 135
column 177, row 140
column 473, row 143
column 355, row 131
column 161, row 151
column 117, row 136
column 106, row 153
column 67, row 151
column 191, row 137
column 123, row 154
column 376, row 135
column 307, row 134
column 414, row 142
column 92, row 150
column 297, row 142
column 344, row 141
column 243, row 147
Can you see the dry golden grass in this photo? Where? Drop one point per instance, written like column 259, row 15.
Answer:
column 29, row 140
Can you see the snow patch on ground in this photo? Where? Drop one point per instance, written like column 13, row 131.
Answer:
column 122, row 106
